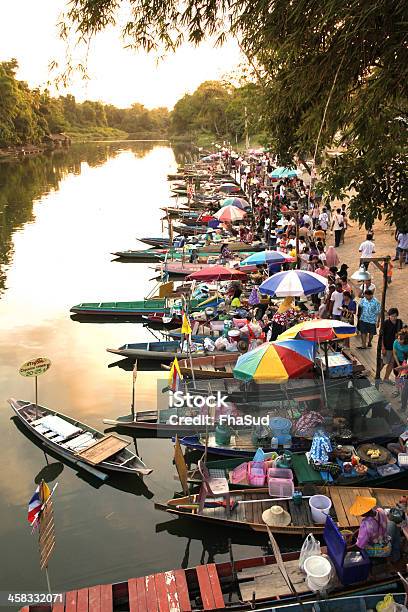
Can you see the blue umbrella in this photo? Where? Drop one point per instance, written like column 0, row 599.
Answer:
column 266, row 257
column 282, row 172
column 293, row 283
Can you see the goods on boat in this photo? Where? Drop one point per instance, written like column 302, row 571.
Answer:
column 247, row 508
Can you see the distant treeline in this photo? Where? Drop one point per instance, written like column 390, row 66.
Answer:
column 215, row 110
column 27, row 115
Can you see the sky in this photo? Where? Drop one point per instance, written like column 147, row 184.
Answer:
column 28, row 32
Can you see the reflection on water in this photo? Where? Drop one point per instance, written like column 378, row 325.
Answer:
column 61, row 217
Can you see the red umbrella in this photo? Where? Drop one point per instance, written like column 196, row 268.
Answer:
column 217, row 273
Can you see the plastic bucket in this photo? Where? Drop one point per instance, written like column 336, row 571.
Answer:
column 320, row 507
column 318, row 570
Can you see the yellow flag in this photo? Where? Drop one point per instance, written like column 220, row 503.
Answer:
column 186, row 327
column 44, row 492
column 175, row 376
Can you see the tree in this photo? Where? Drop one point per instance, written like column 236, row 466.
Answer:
column 344, row 61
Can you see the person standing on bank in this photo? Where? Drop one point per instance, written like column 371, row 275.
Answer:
column 392, row 327
column 366, row 249
column 337, row 226
column 369, row 319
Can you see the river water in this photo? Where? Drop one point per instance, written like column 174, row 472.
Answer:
column 61, row 216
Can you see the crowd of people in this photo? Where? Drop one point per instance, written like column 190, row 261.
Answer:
column 293, row 218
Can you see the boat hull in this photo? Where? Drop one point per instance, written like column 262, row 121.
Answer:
column 70, row 456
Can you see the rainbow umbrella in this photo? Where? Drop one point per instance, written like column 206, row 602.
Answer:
column 230, row 213
column 238, row 202
column 275, row 362
column 319, row 330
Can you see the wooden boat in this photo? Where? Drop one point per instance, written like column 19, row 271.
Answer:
column 158, row 243
column 138, row 308
column 249, row 504
column 153, row 422
column 235, row 585
column 152, row 255
column 180, row 268
column 160, row 351
column 303, row 474
column 78, row 443
column 215, row 365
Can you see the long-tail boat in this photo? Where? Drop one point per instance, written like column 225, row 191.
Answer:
column 248, row 505
column 80, row 444
column 138, row 309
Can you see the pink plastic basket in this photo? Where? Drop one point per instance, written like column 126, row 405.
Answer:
column 275, row 472
column 239, row 474
column 256, row 473
column 280, row 487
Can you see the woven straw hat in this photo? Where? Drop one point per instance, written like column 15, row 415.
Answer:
column 362, row 505
column 276, row 517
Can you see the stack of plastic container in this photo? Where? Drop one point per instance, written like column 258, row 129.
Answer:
column 280, row 482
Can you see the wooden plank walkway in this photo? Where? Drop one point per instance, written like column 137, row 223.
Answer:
column 163, row 592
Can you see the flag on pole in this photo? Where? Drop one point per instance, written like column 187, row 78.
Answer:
column 175, row 376
column 34, row 506
column 36, row 503
column 135, row 371
column 186, row 327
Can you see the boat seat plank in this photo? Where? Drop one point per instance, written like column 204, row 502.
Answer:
column 71, row 601
column 249, row 509
column 215, row 585
column 258, row 513
column 94, row 597
column 37, row 421
column 204, row 583
column 182, row 590
column 151, row 597
column 79, row 440
column 137, row 595
column 269, row 582
column 51, row 435
column 387, row 499
column 82, row 600
column 348, row 496
column 103, row 449
column 342, row 515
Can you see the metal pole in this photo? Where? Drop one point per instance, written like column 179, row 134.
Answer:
column 382, row 318
column 48, row 579
column 297, row 240
column 36, row 397
column 134, row 376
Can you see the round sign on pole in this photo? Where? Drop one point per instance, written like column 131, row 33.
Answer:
column 35, row 367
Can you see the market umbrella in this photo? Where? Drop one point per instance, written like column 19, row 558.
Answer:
column 275, row 362
column 320, row 330
column 294, row 283
column 282, row 172
column 266, row 257
column 229, row 188
column 217, row 273
column 238, row 202
column 230, row 213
